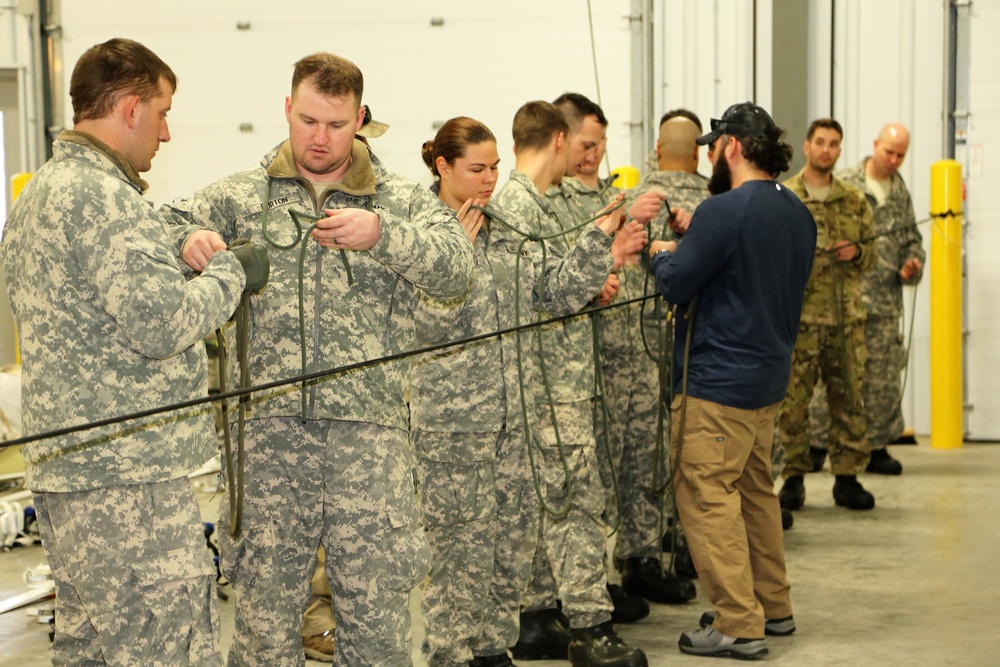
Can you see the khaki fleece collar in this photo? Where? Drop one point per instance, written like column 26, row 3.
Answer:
column 359, row 180
column 798, row 184
column 122, row 162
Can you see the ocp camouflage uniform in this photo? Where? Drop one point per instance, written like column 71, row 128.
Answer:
column 632, row 382
column 109, row 326
column 338, row 474
column 831, row 339
column 574, row 542
column 468, row 430
column 884, row 299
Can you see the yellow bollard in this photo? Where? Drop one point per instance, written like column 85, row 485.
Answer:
column 17, row 183
column 946, row 305
column 625, row 177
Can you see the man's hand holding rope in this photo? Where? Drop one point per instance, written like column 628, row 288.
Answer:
column 844, row 251
column 348, row 229
column 910, row 268
column 199, row 248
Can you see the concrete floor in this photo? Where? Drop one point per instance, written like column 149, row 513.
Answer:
column 914, row 582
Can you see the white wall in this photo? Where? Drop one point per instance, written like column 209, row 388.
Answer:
column 485, row 61
column 703, row 57
column 983, row 202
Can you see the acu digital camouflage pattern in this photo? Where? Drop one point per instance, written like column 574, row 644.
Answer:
column 630, row 343
column 350, row 486
column 899, row 240
column 481, row 518
column 108, row 325
column 887, row 354
column 343, row 475
column 476, row 388
column 831, row 342
column 135, row 584
column 574, row 543
column 479, row 505
column 422, row 246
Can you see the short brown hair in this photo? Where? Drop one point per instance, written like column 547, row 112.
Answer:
column 536, row 123
column 825, row 123
column 332, row 76
column 107, row 72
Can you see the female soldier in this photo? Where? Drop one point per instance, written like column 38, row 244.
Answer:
column 469, row 426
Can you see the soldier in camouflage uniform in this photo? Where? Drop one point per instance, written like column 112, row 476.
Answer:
column 329, row 462
column 631, row 371
column 631, row 377
column 575, row 538
column 467, row 428
column 108, row 326
column 899, row 261
column 831, row 340
column 571, row 201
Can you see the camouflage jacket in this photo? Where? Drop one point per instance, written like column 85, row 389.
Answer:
column 567, row 348
column 459, row 389
column 621, row 332
column 422, row 246
column 835, row 289
column 883, row 285
column 108, row 325
column 573, row 202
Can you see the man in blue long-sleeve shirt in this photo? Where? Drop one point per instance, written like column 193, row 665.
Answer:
column 738, row 276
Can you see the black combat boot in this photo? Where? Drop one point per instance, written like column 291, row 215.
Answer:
column 600, row 646
column 499, row 660
column 628, row 608
column 647, row 578
column 544, row 635
column 848, row 492
column 818, row 458
column 793, row 493
column 683, row 563
column 882, row 463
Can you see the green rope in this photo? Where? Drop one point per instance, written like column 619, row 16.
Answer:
column 561, row 512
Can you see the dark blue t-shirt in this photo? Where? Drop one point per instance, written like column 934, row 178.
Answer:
column 747, row 255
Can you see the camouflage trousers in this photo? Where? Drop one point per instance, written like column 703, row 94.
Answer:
column 481, row 518
column 883, row 380
column 636, row 500
column 571, row 565
column 318, row 617
column 349, row 487
column 820, row 352
column 135, row 584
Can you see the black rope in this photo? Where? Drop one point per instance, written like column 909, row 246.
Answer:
column 315, row 375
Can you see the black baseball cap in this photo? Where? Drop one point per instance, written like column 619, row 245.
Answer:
column 745, row 119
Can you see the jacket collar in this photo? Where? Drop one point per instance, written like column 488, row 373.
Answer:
column 120, row 161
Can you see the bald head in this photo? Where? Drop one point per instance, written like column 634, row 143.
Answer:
column 675, row 148
column 890, row 149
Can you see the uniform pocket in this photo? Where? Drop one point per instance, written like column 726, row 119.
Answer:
column 456, row 493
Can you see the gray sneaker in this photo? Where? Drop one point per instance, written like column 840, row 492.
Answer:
column 708, row 641
column 777, row 627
